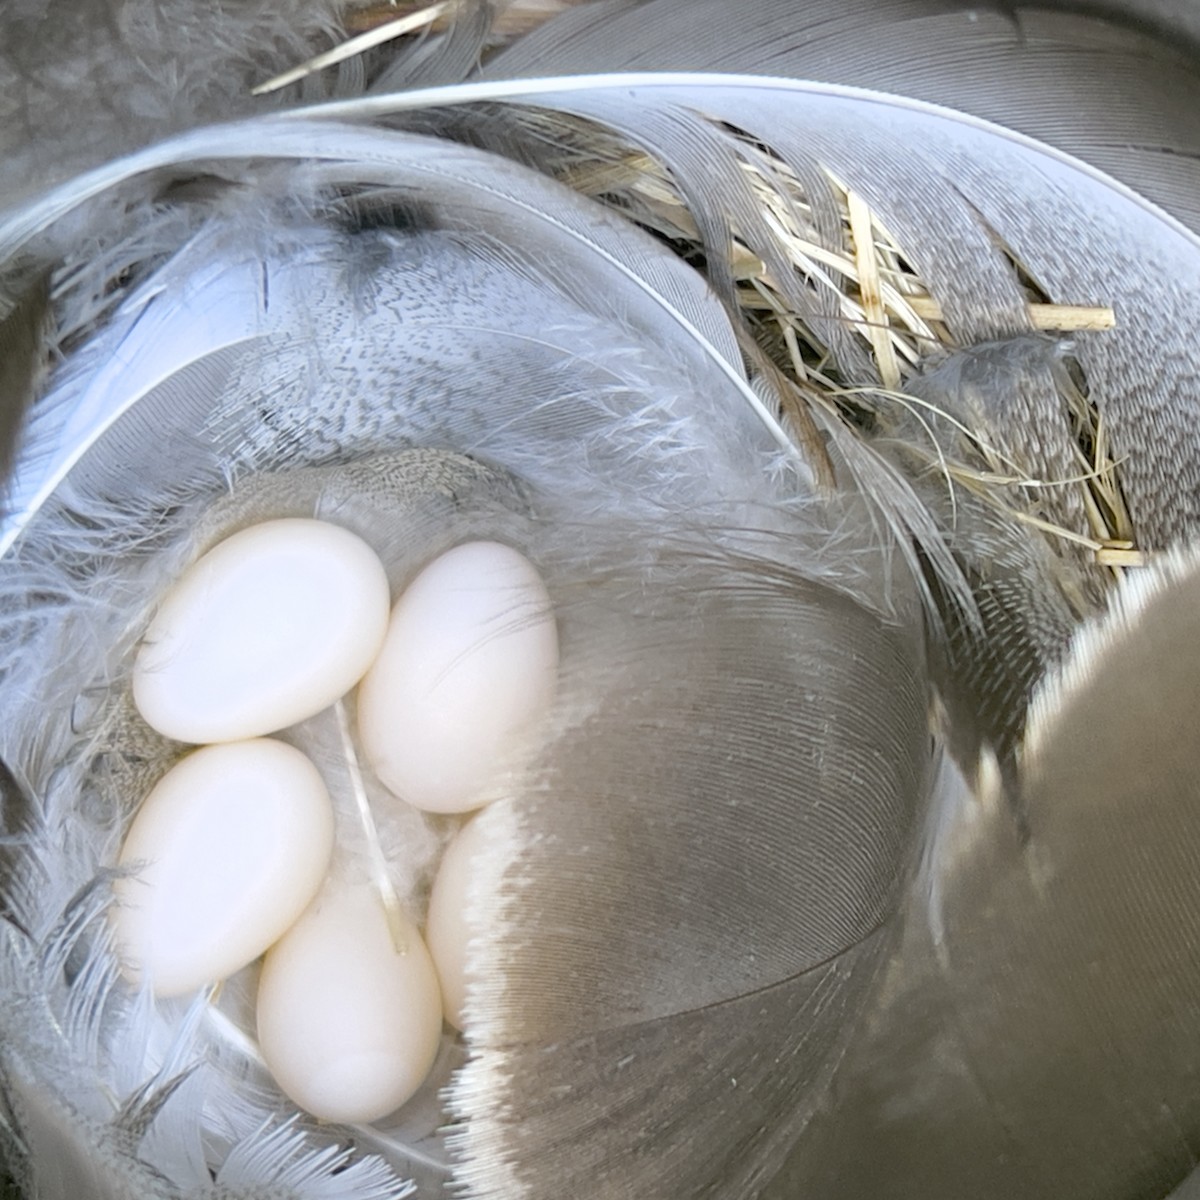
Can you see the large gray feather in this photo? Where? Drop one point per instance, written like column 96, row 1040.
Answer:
column 1011, row 392
column 1114, row 97
column 1038, row 206
column 602, row 389
column 740, row 930
column 1038, row 1038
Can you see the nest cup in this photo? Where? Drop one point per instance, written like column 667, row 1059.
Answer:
column 205, row 390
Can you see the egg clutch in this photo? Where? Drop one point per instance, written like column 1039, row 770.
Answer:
column 228, row 858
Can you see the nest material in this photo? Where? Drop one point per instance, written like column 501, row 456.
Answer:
column 876, row 290
column 899, row 325
column 373, row 23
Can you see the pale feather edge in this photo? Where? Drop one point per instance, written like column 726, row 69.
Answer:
column 483, row 1163
column 1128, row 606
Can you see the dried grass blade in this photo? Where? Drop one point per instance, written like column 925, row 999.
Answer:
column 1117, row 556
column 1049, row 318
column 357, row 45
column 870, row 289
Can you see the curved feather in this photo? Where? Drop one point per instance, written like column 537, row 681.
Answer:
column 526, row 215
column 1130, row 253
column 1107, row 94
column 968, row 202
column 1041, row 206
column 527, row 220
column 1040, row 1036
column 671, row 940
column 274, row 338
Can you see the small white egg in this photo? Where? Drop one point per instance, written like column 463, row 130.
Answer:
column 446, row 929
column 268, row 628
column 348, row 1026
column 228, row 849
column 470, row 659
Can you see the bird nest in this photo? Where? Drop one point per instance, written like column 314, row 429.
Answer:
column 836, row 322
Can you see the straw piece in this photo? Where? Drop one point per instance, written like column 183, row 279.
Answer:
column 512, row 18
column 870, row 291
column 357, row 45
column 1050, row 318
column 1112, row 556
column 878, row 293
column 1067, row 535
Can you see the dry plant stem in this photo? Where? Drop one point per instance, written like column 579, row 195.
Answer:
column 512, row 19
column 1046, row 318
column 1119, row 556
column 862, row 235
column 1103, row 501
column 1112, row 541
column 357, row 45
column 892, row 307
column 810, row 258
column 1107, row 495
column 379, row 867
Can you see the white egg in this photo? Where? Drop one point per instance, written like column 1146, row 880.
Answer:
column 228, row 849
column 269, row 627
column 470, row 660
column 446, row 928
column 348, row 1027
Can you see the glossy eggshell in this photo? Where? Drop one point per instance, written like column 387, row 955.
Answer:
column 469, row 661
column 226, row 852
column 348, row 1027
column 268, row 628
column 447, row 930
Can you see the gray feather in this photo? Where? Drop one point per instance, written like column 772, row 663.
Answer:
column 84, row 82
column 595, row 388
column 1035, row 1035
column 717, row 884
column 1036, row 206
column 1116, row 98
column 1007, row 408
